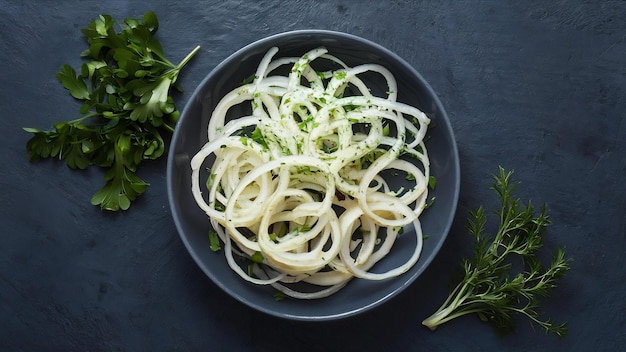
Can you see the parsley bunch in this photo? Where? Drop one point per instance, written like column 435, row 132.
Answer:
column 490, row 287
column 124, row 87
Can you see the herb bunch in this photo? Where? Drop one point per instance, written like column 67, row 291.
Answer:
column 491, row 287
column 125, row 89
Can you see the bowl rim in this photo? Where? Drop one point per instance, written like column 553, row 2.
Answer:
column 372, row 46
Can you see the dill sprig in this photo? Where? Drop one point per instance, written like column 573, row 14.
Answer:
column 491, row 287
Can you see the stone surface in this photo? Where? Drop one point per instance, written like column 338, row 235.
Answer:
column 534, row 86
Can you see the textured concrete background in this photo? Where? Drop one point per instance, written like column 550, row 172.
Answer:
column 535, row 86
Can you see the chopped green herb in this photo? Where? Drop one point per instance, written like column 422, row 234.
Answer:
column 328, row 146
column 350, row 107
column 214, row 241
column 305, row 170
column 279, row 296
column 257, row 257
column 210, row 179
column 257, row 136
column 283, row 230
column 429, row 203
column 219, row 206
column 248, row 80
column 340, row 75
column 303, row 126
column 303, row 228
column 432, row 182
column 386, row 129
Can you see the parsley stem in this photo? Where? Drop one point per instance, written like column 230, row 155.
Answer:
column 188, row 57
column 82, row 118
column 168, row 127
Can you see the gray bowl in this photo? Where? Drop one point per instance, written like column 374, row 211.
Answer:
column 358, row 295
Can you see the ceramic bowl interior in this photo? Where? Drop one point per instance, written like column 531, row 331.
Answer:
column 358, row 295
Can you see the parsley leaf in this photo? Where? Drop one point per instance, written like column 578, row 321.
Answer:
column 68, row 78
column 124, row 86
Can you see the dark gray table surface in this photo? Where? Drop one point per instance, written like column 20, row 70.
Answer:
column 534, row 86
